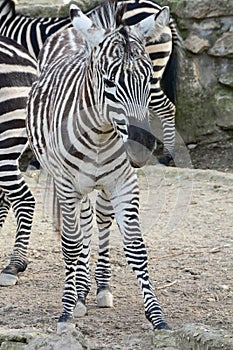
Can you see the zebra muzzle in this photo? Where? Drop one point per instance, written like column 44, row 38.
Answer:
column 139, row 145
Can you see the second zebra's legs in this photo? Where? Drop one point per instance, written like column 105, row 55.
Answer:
column 165, row 110
column 104, row 217
column 23, row 204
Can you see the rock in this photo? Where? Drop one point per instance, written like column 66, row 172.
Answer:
column 204, row 8
column 192, row 146
column 188, row 337
column 203, row 337
column 18, row 339
column 196, row 44
column 206, row 25
column 223, row 46
column 69, row 340
column 227, row 79
column 44, row 8
column 223, row 108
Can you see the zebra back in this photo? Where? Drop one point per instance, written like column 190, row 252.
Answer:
column 30, row 32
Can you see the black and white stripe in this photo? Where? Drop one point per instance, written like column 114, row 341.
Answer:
column 30, row 32
column 72, row 113
column 17, row 73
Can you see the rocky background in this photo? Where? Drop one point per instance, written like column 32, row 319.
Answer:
column 205, row 97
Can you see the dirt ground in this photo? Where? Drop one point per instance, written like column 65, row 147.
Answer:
column 217, row 156
column 186, row 218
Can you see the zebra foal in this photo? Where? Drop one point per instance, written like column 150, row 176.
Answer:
column 89, row 84
column 164, row 51
column 17, row 73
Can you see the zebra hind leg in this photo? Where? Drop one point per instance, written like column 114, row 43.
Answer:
column 104, row 217
column 23, row 204
column 83, row 283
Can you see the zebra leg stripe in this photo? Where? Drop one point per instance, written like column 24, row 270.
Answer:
column 136, row 256
column 83, row 282
column 127, row 216
column 72, row 244
column 104, row 217
column 23, row 204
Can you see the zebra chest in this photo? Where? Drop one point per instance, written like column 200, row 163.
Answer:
column 88, row 164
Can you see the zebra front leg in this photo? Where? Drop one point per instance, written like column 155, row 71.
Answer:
column 72, row 245
column 23, row 204
column 126, row 206
column 83, row 282
column 165, row 110
column 104, row 217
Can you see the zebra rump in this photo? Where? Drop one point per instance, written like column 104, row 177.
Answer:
column 17, row 73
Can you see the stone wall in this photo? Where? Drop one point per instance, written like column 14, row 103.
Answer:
column 205, row 101
column 205, row 98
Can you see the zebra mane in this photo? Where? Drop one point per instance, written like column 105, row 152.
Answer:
column 108, row 15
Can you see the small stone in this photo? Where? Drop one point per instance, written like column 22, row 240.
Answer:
column 227, row 80
column 192, row 146
column 224, row 287
column 196, row 44
column 223, row 46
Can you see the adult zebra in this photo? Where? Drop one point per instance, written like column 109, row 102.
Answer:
column 164, row 52
column 17, row 73
column 87, row 85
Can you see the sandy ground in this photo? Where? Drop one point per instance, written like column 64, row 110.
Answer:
column 186, row 218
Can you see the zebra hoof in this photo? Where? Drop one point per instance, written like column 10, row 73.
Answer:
column 104, row 298
column 163, row 325
column 80, row 309
column 8, row 279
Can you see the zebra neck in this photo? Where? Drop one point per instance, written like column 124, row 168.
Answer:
column 93, row 107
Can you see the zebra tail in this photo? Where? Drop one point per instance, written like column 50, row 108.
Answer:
column 56, row 213
column 171, row 75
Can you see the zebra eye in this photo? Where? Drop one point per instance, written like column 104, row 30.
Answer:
column 109, row 83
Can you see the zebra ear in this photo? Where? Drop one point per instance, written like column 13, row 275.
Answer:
column 152, row 27
column 84, row 25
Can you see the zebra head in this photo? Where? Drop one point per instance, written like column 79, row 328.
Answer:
column 122, row 71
